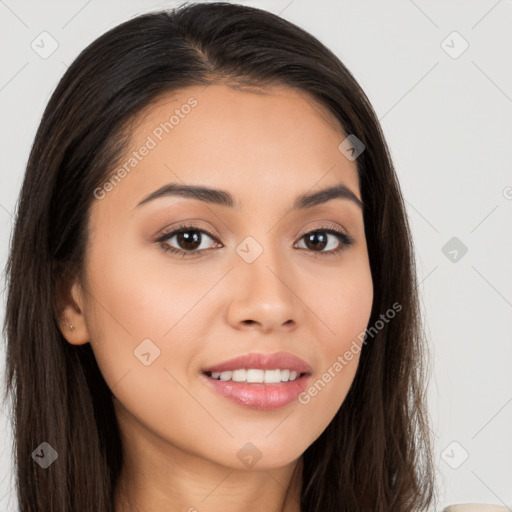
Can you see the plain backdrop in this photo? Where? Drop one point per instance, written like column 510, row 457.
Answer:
column 439, row 77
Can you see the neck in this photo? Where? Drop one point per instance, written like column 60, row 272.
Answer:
column 223, row 490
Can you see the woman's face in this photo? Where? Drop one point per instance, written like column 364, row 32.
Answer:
column 260, row 276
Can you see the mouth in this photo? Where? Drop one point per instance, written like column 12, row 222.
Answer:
column 259, row 381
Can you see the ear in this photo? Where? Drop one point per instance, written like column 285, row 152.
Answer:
column 71, row 312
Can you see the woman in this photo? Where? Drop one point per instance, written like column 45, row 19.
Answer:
column 212, row 298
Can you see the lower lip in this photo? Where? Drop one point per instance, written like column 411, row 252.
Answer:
column 261, row 396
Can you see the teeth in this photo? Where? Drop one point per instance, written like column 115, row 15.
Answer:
column 239, row 376
column 272, row 376
column 254, row 375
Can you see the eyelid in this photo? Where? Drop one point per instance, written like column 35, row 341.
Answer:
column 184, row 226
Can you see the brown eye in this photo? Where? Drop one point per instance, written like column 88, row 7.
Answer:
column 327, row 241
column 316, row 240
column 187, row 241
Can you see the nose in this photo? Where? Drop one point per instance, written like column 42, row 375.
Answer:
column 263, row 295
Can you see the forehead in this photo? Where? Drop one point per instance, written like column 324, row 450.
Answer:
column 277, row 142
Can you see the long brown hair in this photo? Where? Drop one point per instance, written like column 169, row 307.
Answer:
column 375, row 455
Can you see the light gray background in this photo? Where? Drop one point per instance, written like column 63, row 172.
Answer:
column 449, row 126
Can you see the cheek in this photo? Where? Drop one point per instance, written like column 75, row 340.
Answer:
column 345, row 304
column 342, row 300
column 144, row 338
column 351, row 310
column 135, row 313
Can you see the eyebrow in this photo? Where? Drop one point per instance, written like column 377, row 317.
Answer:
column 224, row 198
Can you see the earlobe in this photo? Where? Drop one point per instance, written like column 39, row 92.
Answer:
column 75, row 331
column 71, row 315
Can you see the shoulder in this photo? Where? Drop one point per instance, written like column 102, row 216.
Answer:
column 476, row 507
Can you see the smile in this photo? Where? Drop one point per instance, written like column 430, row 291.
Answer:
column 255, row 375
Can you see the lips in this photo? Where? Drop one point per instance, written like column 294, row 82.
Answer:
column 275, row 361
column 262, row 396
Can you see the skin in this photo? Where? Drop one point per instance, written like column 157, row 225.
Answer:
column 180, row 438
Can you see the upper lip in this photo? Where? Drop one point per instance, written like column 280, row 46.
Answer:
column 277, row 360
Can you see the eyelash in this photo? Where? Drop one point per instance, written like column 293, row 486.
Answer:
column 345, row 240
